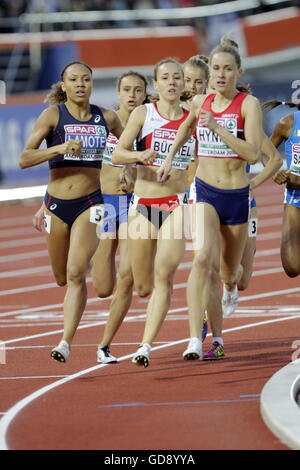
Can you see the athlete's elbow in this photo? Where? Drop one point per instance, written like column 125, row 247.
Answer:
column 115, row 157
column 23, row 161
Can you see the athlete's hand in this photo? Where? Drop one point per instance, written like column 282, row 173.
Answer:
column 71, row 147
column 281, row 177
column 126, row 180
column 206, row 119
column 163, row 172
column 38, row 219
column 146, row 156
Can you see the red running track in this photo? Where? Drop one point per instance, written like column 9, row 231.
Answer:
column 173, row 404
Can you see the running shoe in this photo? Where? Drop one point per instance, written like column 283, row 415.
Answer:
column 61, row 352
column 215, row 353
column 204, row 329
column 104, row 356
column 229, row 301
column 142, row 356
column 194, row 350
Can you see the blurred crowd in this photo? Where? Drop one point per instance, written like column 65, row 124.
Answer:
column 10, row 10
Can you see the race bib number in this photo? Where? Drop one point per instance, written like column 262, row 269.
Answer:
column 162, row 140
column 252, row 228
column 211, row 145
column 96, row 214
column 295, row 163
column 93, row 139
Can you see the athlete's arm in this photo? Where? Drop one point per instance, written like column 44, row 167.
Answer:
column 248, row 149
column 274, row 163
column 113, row 122
column 123, row 152
column 32, row 155
column 282, row 130
column 38, row 218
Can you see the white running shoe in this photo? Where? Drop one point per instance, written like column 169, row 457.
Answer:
column 229, row 301
column 142, row 356
column 61, row 352
column 104, row 356
column 194, row 350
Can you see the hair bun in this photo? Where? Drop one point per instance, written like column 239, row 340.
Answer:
column 227, row 42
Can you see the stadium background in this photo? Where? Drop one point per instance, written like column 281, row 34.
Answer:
column 37, row 38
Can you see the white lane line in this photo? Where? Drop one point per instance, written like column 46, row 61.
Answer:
column 23, row 256
column 24, row 242
column 269, row 236
column 134, row 318
column 16, row 232
column 26, row 271
column 34, row 377
column 11, row 414
column 15, row 221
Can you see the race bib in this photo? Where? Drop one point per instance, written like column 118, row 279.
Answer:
column 162, row 140
column 295, row 163
column 47, row 222
column 109, row 149
column 96, row 214
column 211, row 145
column 93, row 139
column 252, row 227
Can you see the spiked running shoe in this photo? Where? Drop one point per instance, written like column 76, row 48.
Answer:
column 194, row 350
column 61, row 352
column 104, row 356
column 142, row 356
column 204, row 329
column 215, row 353
column 229, row 301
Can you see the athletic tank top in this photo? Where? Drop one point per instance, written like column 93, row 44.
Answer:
column 158, row 133
column 209, row 143
column 93, row 133
column 292, row 146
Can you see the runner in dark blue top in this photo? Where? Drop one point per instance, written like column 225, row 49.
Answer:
column 75, row 132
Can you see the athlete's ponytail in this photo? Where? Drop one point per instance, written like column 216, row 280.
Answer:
column 269, row 105
column 56, row 95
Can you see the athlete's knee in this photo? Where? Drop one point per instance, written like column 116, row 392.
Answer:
column 61, row 280
column 202, row 261
column 103, row 290
column 291, row 272
column 243, row 283
column 125, row 281
column 143, row 289
column 75, row 274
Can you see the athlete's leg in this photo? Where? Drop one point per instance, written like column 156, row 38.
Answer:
column 58, row 241
column 234, row 239
column 290, row 241
column 249, row 252
column 204, row 278
column 123, row 294
column 169, row 253
column 142, row 239
column 83, row 244
column 104, row 265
